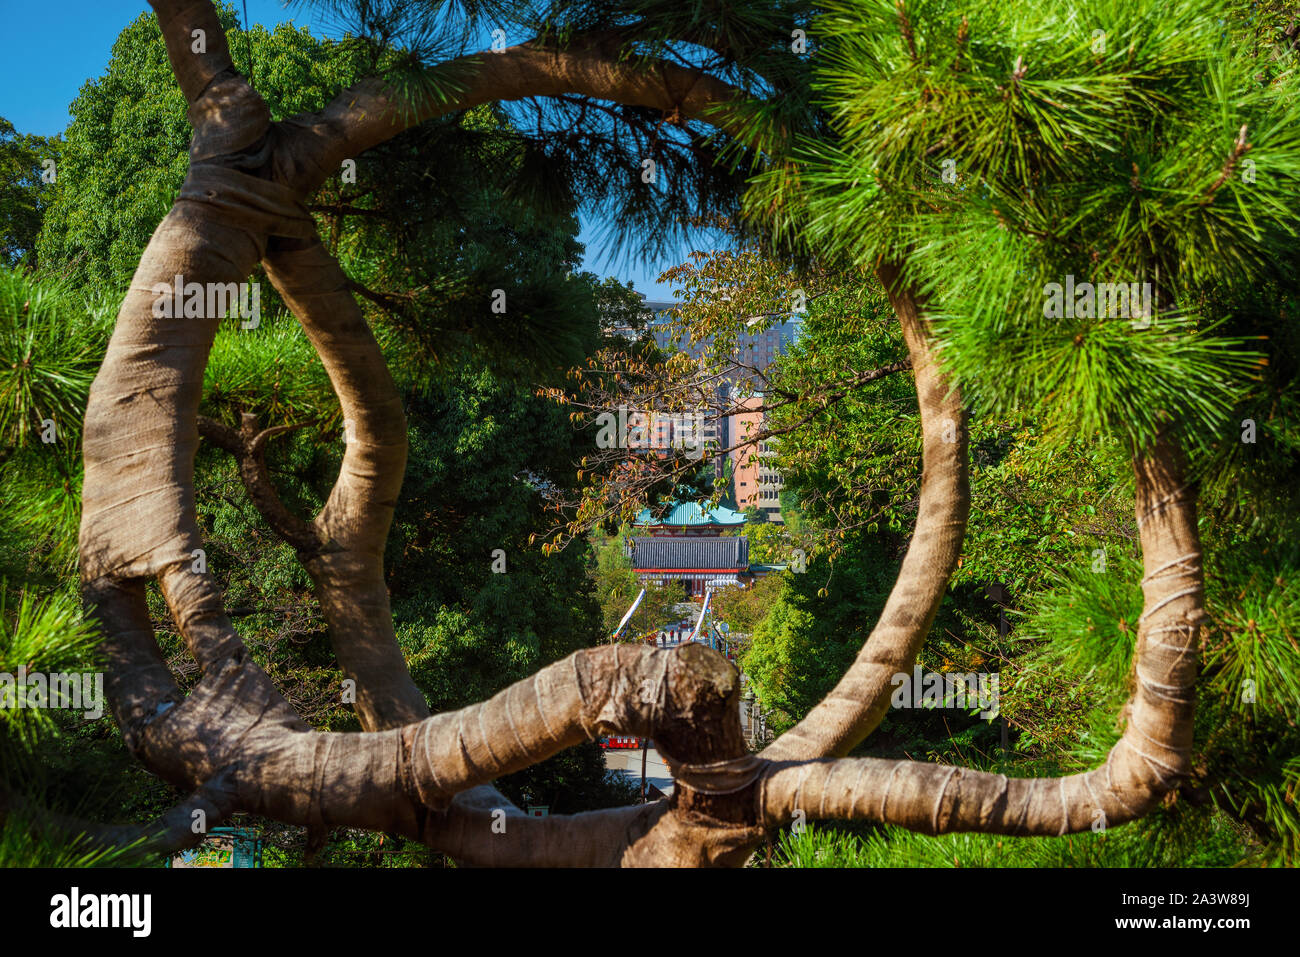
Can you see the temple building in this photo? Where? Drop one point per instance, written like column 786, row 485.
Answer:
column 689, row 519
column 699, row 562
column 690, row 543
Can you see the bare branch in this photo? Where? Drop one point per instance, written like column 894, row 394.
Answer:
column 248, row 445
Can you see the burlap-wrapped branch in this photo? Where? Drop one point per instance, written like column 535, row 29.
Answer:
column 426, row 777
column 858, row 703
column 1149, row 760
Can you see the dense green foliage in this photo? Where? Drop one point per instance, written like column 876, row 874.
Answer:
column 125, row 153
column 476, row 606
column 28, row 172
column 992, row 153
column 996, row 152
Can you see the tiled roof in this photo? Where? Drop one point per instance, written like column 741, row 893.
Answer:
column 690, row 513
column 730, row 554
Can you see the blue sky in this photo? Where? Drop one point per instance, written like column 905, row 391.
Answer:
column 49, row 49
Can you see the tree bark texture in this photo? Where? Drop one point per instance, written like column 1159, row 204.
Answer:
column 237, row 744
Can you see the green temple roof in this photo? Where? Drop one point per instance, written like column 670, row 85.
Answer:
column 691, row 513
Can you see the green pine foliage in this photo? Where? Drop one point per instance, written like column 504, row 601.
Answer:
column 993, row 151
column 42, row 635
column 52, row 337
column 271, row 371
column 46, row 360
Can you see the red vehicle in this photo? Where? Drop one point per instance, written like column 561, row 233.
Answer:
column 622, row 741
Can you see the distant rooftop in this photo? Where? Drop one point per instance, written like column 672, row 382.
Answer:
column 689, row 554
column 692, row 514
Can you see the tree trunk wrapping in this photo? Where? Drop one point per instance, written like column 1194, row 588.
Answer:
column 1149, row 759
column 858, row 703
